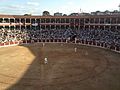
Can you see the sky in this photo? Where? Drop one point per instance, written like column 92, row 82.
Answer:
column 36, row 7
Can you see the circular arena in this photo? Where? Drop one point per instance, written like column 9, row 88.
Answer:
column 89, row 68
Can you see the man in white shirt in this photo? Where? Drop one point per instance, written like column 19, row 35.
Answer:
column 75, row 49
column 45, row 61
column 43, row 44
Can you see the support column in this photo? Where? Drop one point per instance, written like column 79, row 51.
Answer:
column 99, row 21
column 74, row 24
column 104, row 20
column 14, row 23
column 30, row 24
column 40, row 24
column 116, row 27
column 110, row 20
column 89, row 27
column 60, row 24
column 104, row 23
column 9, row 22
column 110, row 23
column 20, row 23
column 55, row 22
column 104, row 27
column 3, row 20
column 25, row 23
column 94, row 27
column 65, row 22
column 79, row 24
column 116, row 20
column 94, row 21
column 35, row 24
column 84, row 22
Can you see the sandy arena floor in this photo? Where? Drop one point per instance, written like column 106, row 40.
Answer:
column 23, row 68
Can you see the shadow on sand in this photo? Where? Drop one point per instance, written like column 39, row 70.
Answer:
column 32, row 78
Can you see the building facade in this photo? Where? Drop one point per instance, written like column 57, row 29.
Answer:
column 12, row 22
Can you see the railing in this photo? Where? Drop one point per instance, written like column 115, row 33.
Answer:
column 79, row 42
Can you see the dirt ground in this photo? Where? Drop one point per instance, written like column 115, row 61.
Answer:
column 90, row 68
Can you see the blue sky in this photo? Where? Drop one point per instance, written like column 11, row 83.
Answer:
column 36, row 7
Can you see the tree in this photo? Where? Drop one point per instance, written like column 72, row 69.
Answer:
column 115, row 11
column 64, row 14
column 46, row 13
column 27, row 14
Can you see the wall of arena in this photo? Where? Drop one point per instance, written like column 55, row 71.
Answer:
column 79, row 42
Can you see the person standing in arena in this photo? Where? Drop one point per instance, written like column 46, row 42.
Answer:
column 45, row 61
column 75, row 49
column 43, row 44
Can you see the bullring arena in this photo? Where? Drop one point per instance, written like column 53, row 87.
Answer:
column 94, row 66
column 89, row 68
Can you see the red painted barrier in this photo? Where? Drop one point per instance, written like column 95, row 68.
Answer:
column 7, row 43
column 1, row 44
column 11, row 43
column 84, row 42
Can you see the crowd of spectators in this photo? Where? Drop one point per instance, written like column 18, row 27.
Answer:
column 103, row 36
column 12, row 35
column 50, row 34
column 110, row 37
